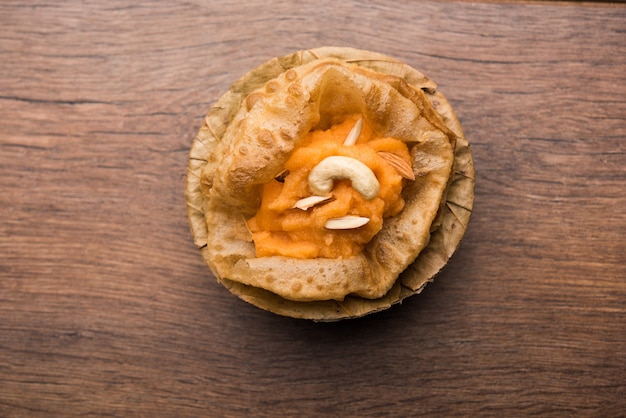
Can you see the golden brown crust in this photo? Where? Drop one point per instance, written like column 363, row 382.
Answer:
column 239, row 149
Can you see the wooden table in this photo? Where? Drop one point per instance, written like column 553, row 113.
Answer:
column 107, row 309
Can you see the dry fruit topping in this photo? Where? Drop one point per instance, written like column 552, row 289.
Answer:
column 332, row 196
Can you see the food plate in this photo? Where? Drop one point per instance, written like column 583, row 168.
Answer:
column 446, row 231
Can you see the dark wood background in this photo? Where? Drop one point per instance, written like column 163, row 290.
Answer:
column 107, row 309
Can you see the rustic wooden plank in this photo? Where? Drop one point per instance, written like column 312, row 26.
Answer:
column 106, row 307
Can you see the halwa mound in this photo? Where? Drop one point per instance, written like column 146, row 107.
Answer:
column 280, row 227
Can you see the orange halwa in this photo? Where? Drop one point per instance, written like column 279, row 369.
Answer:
column 280, row 229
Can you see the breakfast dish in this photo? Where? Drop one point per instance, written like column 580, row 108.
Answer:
column 329, row 184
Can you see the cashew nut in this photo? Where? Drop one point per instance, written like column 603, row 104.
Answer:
column 338, row 167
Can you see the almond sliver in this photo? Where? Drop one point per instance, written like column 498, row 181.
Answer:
column 346, row 222
column 402, row 167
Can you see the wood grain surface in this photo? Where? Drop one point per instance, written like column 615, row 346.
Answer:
column 107, row 309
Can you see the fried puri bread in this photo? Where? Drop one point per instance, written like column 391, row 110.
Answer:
column 250, row 135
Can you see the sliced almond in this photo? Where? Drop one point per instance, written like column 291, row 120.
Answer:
column 402, row 167
column 280, row 177
column 346, row 222
column 354, row 134
column 309, row 202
